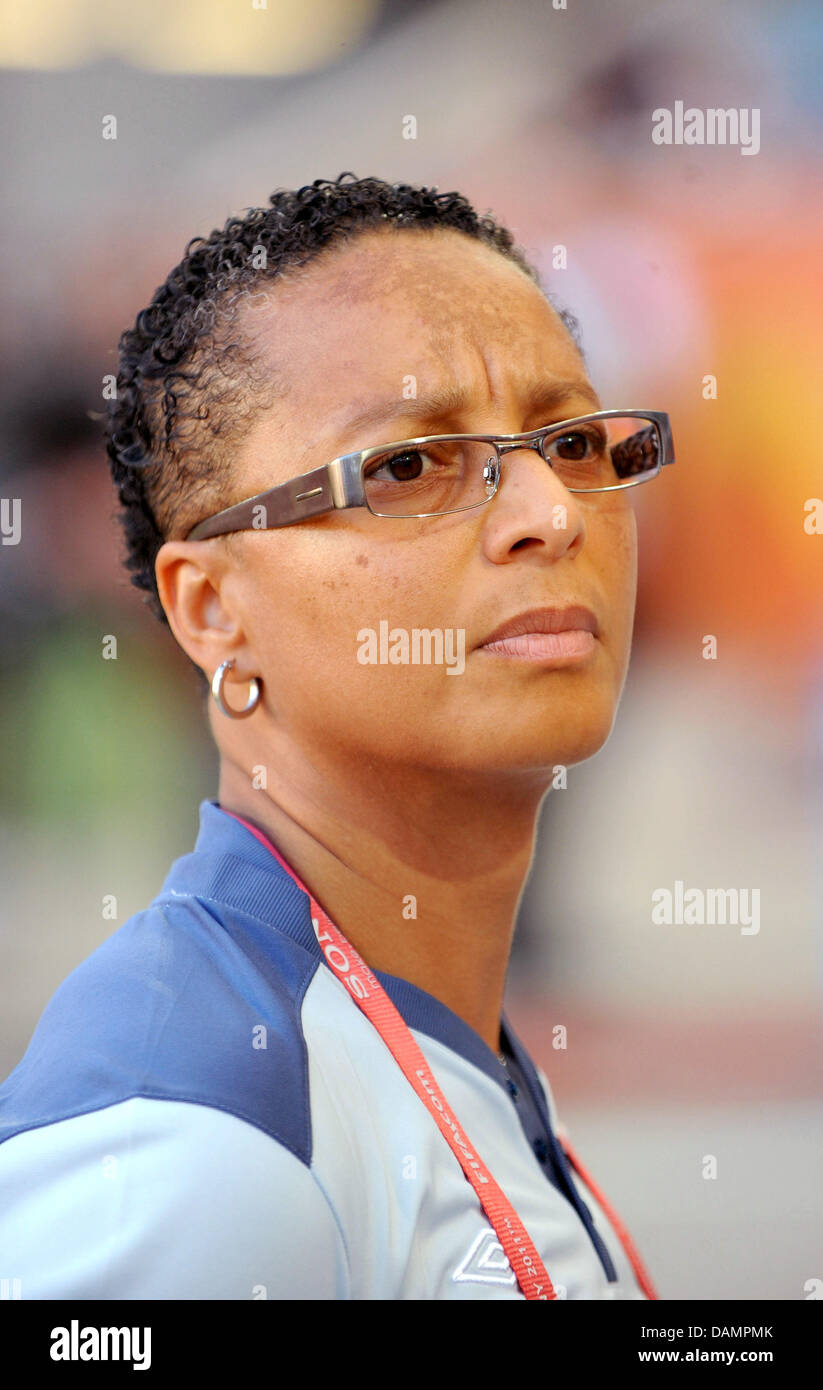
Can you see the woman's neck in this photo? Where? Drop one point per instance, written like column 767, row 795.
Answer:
column 424, row 882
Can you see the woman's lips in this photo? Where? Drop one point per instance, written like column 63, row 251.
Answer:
column 561, row 648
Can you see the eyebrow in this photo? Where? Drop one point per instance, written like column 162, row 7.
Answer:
column 448, row 401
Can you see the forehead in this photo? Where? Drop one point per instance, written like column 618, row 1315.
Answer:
column 436, row 305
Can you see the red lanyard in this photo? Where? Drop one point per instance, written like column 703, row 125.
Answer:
column 371, row 998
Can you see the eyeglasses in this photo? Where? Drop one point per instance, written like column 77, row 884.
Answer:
column 440, row 473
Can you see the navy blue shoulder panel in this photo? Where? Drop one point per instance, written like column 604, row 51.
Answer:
column 192, row 999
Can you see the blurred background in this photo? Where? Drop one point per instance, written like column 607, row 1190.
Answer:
column 682, row 262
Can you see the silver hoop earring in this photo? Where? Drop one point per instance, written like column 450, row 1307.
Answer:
column 217, row 692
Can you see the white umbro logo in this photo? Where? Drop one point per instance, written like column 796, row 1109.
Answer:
column 485, row 1262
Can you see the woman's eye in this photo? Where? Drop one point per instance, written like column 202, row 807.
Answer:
column 400, row 468
column 575, row 447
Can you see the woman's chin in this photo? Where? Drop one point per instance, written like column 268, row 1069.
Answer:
column 515, row 750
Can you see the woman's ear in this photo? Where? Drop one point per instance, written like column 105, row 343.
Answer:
column 191, row 583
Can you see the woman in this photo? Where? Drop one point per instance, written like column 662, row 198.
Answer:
column 276, row 1080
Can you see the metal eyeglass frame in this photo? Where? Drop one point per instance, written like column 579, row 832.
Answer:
column 339, row 484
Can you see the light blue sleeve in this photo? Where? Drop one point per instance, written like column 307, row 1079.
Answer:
column 164, row 1199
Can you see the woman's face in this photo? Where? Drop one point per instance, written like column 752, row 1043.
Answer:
column 389, row 314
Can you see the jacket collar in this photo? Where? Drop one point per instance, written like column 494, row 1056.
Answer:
column 229, row 866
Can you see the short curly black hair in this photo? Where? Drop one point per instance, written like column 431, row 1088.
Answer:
column 188, row 383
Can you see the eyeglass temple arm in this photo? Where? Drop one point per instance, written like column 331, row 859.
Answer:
column 323, row 489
